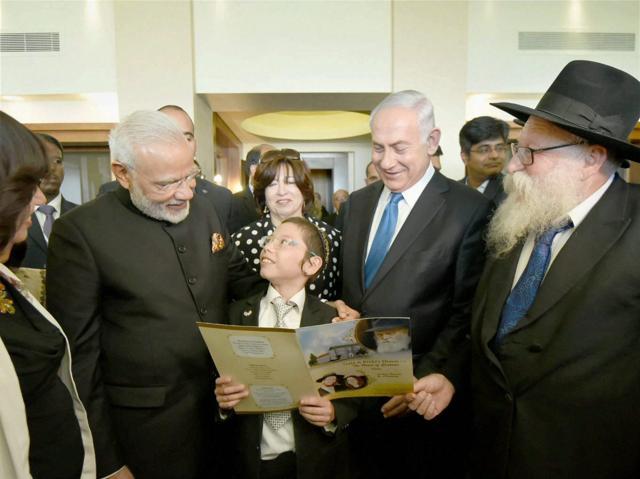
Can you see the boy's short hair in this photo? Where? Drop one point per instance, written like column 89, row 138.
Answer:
column 314, row 239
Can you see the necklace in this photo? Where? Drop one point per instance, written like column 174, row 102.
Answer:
column 6, row 303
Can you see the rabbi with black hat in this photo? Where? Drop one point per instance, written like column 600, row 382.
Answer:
column 556, row 319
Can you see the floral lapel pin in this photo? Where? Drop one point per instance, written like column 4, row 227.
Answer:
column 217, row 242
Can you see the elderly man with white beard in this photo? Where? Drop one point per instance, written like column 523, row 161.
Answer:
column 556, row 317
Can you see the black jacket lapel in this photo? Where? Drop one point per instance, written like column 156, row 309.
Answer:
column 36, row 234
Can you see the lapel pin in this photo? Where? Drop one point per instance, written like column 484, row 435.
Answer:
column 217, row 242
column 247, row 312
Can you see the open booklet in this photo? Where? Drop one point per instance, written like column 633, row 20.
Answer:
column 364, row 357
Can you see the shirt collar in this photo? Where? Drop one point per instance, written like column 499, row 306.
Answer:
column 412, row 194
column 579, row 213
column 297, row 298
column 56, row 203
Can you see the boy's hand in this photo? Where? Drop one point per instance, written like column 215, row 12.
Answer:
column 318, row 411
column 228, row 393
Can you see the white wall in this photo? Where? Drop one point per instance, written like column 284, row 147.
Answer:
column 153, row 55
column 430, row 55
column 77, row 84
column 496, row 64
column 292, row 46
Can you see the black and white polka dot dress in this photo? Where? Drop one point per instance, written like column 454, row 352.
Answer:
column 326, row 286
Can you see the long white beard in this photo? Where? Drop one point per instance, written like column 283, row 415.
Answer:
column 153, row 209
column 533, row 205
column 400, row 342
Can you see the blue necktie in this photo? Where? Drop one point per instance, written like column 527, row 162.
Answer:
column 381, row 242
column 48, row 211
column 524, row 292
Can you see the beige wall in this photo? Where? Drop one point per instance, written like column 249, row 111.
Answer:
column 430, row 55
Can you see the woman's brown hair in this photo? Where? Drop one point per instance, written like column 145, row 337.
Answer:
column 22, row 164
column 268, row 169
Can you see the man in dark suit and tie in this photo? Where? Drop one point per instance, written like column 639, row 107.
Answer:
column 556, row 318
column 483, row 149
column 42, row 219
column 244, row 203
column 129, row 275
column 412, row 246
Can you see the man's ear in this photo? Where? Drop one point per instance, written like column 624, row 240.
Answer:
column 594, row 160
column 433, row 141
column 122, row 174
column 464, row 156
column 312, row 266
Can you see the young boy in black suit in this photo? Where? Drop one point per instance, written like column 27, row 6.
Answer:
column 309, row 442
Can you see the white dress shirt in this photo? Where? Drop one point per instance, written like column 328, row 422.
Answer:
column 577, row 215
column 276, row 442
column 409, row 199
column 57, row 204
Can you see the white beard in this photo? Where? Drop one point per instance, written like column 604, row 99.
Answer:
column 400, row 342
column 533, row 205
column 153, row 209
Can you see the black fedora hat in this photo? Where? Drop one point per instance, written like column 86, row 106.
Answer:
column 592, row 100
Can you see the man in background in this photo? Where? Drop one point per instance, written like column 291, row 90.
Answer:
column 243, row 201
column 371, row 174
column 483, row 149
column 44, row 216
column 435, row 159
column 338, row 198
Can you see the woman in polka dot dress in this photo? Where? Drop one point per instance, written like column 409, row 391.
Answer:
column 283, row 188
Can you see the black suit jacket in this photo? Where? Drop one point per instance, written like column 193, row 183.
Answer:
column 128, row 290
column 560, row 399
column 494, row 190
column 220, row 196
column 318, row 453
column 429, row 273
column 36, row 254
column 245, row 207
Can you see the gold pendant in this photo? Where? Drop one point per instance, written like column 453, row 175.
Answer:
column 6, row 303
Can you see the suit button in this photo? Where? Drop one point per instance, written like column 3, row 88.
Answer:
column 508, row 397
column 192, row 280
column 182, row 249
column 203, row 311
column 204, row 191
column 535, row 348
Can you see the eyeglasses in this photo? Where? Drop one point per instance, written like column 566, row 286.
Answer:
column 525, row 154
column 486, row 149
column 280, row 243
column 171, row 186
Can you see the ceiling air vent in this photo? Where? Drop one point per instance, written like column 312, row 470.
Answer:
column 618, row 42
column 30, row 42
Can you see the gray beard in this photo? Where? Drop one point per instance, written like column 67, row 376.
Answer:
column 400, row 343
column 155, row 210
column 533, row 205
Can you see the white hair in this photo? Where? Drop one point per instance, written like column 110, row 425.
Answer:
column 413, row 100
column 139, row 129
